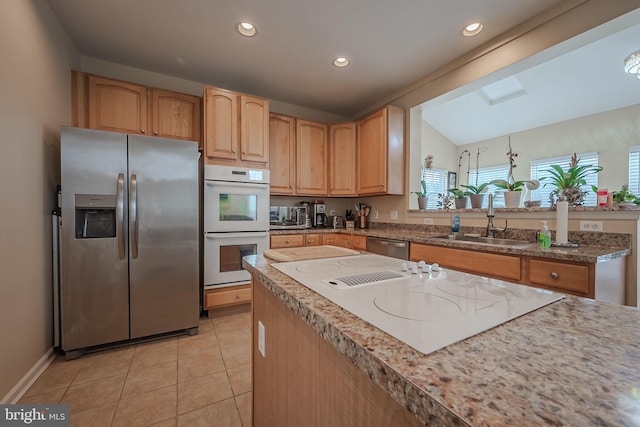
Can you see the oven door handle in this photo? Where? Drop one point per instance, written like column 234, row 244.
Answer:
column 236, row 184
column 234, row 235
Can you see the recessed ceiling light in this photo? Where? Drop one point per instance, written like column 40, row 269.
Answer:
column 472, row 29
column 341, row 62
column 246, row 29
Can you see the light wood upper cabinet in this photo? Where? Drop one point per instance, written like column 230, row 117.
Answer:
column 380, row 152
column 342, row 159
column 311, row 158
column 114, row 105
column 236, row 128
column 175, row 115
column 220, row 124
column 117, row 106
column 254, row 133
column 282, row 154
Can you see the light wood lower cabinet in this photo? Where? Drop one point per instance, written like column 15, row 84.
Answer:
column 287, row 241
column 572, row 278
column 505, row 267
column 312, row 239
column 337, row 239
column 303, row 380
column 603, row 281
column 359, row 242
column 225, row 297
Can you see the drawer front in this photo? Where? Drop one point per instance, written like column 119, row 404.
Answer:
column 312, row 239
column 359, row 242
column 227, row 296
column 287, row 241
column 573, row 278
column 493, row 265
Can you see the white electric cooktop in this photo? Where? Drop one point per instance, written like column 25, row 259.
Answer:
column 427, row 308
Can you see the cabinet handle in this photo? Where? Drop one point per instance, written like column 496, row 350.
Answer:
column 141, row 130
column 287, row 241
column 554, row 275
column 237, row 296
column 244, row 153
column 233, row 151
column 291, row 186
column 308, row 241
column 155, row 132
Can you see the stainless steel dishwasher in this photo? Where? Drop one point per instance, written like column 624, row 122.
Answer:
column 389, row 247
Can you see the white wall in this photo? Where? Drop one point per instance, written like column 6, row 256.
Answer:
column 610, row 134
column 34, row 84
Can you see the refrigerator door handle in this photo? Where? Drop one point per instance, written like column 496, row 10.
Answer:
column 120, row 214
column 133, row 215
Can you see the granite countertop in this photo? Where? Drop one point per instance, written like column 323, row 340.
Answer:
column 574, row 362
column 589, row 253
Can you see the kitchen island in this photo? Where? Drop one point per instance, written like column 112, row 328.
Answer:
column 574, row 362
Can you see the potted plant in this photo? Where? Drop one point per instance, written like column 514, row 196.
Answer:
column 513, row 194
column 568, row 184
column 476, row 194
column 460, row 197
column 625, row 197
column 422, row 195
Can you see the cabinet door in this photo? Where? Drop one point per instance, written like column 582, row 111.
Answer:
column 220, row 124
column 282, row 154
column 175, row 115
column 117, row 106
column 254, row 129
column 311, row 156
column 372, row 153
column 359, row 242
column 342, row 159
column 312, row 239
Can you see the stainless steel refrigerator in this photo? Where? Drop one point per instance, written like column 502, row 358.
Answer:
column 129, row 251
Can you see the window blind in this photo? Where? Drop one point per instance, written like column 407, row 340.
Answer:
column 436, row 180
column 539, row 169
column 634, row 169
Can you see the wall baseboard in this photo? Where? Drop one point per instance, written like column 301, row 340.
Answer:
column 29, row 378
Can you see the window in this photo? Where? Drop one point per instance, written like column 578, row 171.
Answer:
column 488, row 175
column 539, row 170
column 436, row 180
column 634, row 169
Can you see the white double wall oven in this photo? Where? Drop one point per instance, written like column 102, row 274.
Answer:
column 236, row 222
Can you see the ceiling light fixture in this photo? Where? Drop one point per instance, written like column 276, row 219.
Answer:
column 632, row 63
column 472, row 29
column 247, row 29
column 341, row 62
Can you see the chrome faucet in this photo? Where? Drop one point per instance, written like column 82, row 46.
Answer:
column 490, row 215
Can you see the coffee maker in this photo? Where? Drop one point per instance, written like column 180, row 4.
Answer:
column 318, row 215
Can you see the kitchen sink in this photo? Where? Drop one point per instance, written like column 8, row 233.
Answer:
column 494, row 241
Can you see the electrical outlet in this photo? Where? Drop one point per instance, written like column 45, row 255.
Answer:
column 332, row 212
column 428, row 221
column 261, row 338
column 375, row 214
column 591, row 226
column 394, row 214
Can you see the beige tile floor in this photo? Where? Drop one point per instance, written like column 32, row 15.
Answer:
column 202, row 380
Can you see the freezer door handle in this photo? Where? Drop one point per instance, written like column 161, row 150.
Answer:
column 133, row 215
column 120, row 215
